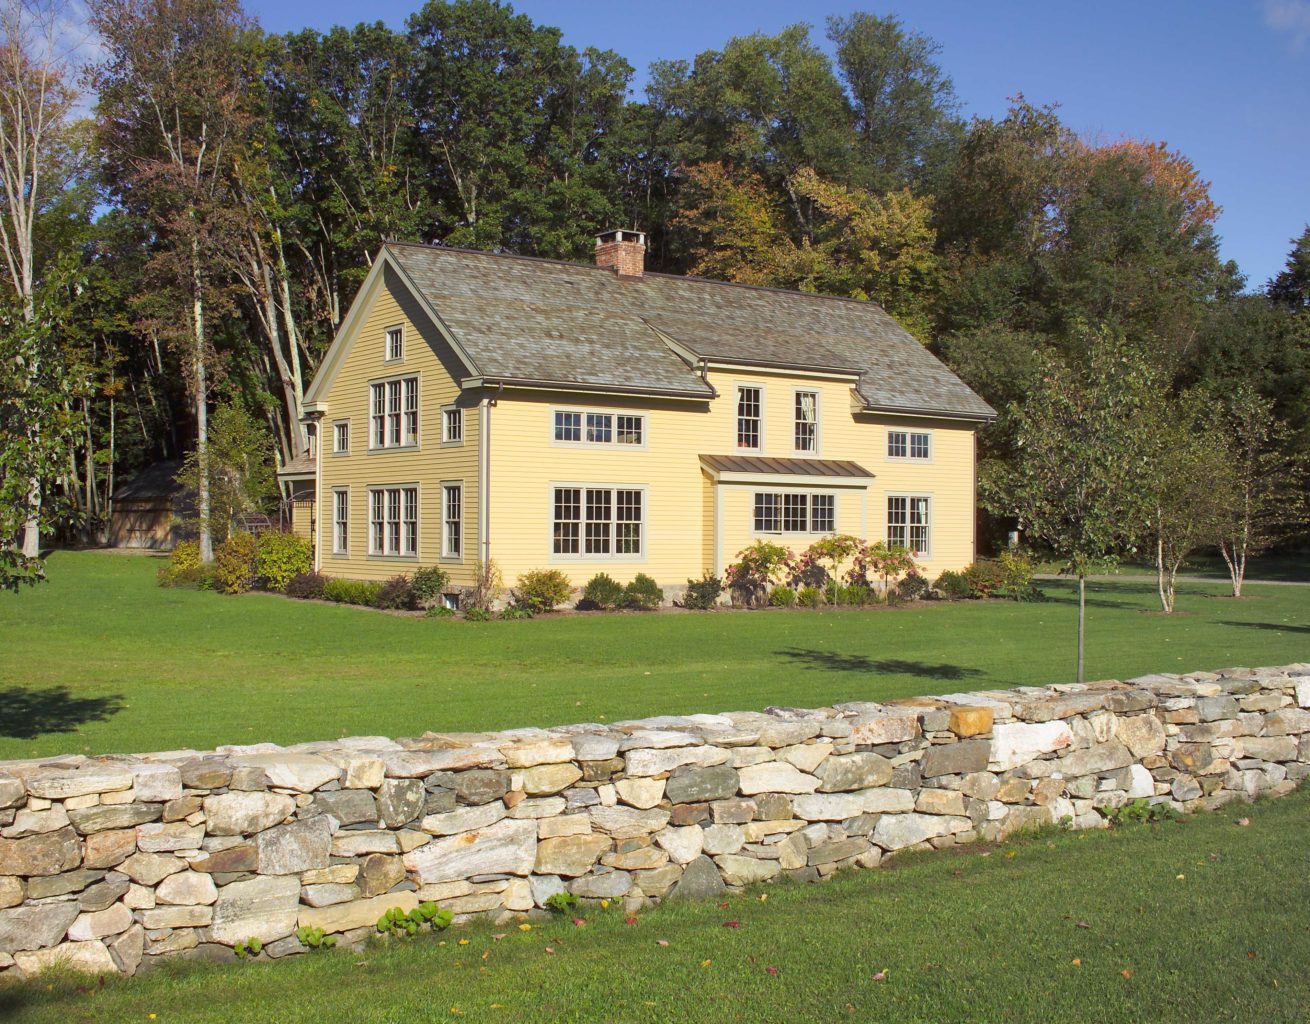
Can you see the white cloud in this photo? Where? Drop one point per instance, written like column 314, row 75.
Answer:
column 1291, row 18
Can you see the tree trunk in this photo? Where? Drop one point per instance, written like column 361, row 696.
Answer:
column 202, row 410
column 1082, row 618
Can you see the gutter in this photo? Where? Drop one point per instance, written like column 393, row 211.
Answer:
column 531, row 384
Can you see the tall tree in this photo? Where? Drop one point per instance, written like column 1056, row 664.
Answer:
column 39, row 157
column 1080, row 482
column 171, row 115
column 1291, row 286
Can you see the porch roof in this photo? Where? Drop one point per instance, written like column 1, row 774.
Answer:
column 838, row 470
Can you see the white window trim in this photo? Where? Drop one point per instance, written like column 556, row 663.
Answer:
column 446, row 556
column 609, row 446
column 810, row 495
column 582, row 558
column 404, row 446
column 907, row 457
column 387, row 357
column 336, row 425
column 399, row 556
column 932, row 517
column 446, row 442
column 818, row 420
column 736, row 405
column 336, row 550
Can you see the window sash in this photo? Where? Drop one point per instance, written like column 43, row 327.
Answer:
column 600, row 428
column 394, row 406
column 341, row 437
column 605, row 522
column 748, row 417
column 377, row 522
column 393, row 521
column 909, row 523
column 411, row 410
column 454, row 425
column 794, row 512
column 395, row 343
column 823, row 513
column 919, row 448
column 806, row 435
column 630, row 429
column 907, row 444
column 768, row 513
column 379, row 415
column 568, row 426
column 340, row 521
column 453, row 504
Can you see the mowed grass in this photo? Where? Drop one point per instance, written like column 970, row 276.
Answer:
column 100, row 659
column 1198, row 921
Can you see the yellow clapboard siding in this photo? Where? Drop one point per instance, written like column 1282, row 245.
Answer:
column 428, row 465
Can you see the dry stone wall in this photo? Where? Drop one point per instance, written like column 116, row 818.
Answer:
column 108, row 863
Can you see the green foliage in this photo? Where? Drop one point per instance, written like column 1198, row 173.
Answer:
column 240, row 459
column 516, row 611
column 756, row 569
column 306, row 586
column 183, row 568
column 428, row 586
column 396, row 922
column 985, row 577
column 1140, row 812
column 602, row 592
column 562, row 903
column 476, row 614
column 396, row 594
column 702, row 594
column 913, row 588
column 857, row 594
column 441, row 612
column 315, row 938
column 251, row 947
column 1017, row 572
column 953, row 586
column 280, row 556
column 809, row 597
column 782, row 597
column 643, row 594
column 234, row 562
column 358, row 592
column 542, row 590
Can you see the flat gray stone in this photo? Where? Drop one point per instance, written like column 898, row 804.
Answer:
column 299, row 846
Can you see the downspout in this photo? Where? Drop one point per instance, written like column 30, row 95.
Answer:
column 484, row 476
column 316, row 516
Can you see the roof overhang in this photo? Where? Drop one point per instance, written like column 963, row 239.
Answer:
column 585, row 387
column 928, row 414
column 751, row 469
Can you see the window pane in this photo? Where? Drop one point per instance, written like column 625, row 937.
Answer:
column 767, row 513
column 568, row 513
column 600, row 515
column 454, row 424
column 627, row 529
column 918, row 446
column 794, row 509
column 395, row 343
column 896, row 444
column 822, row 508
column 748, row 417
column 807, row 421
column 568, row 426
column 630, row 429
column 600, row 428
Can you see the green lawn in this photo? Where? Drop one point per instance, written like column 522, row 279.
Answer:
column 1207, row 917
column 100, row 659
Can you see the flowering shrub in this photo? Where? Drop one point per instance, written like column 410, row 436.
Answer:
column 757, row 568
column 879, row 562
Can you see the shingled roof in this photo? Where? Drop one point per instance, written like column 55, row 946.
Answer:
column 524, row 320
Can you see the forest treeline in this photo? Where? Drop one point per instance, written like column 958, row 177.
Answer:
column 191, row 203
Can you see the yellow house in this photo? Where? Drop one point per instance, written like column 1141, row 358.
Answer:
column 543, row 414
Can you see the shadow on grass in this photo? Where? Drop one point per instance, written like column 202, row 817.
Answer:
column 1273, row 627
column 27, row 714
column 831, row 661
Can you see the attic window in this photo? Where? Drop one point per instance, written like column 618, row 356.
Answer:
column 395, row 344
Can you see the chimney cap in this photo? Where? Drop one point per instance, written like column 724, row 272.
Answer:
column 621, row 235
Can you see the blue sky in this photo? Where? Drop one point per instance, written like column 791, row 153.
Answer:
column 1225, row 81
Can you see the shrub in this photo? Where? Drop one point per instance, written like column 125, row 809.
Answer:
column 183, row 567
column 1017, row 572
column 306, row 585
column 643, row 594
column 281, row 556
column 440, row 612
column 542, row 589
column 476, row 614
column 602, row 592
column 809, row 597
column 235, row 564
column 206, row 577
column 358, row 592
column 952, row 586
column 516, row 611
column 703, row 594
column 428, row 585
column 487, row 586
column 858, row 594
column 913, row 588
column 756, row 569
column 782, row 597
column 396, row 594
column 985, row 577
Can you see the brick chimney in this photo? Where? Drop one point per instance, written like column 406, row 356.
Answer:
column 622, row 251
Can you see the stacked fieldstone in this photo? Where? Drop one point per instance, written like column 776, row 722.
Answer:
column 109, row 862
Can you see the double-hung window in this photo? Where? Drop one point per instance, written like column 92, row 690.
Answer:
column 794, row 512
column 806, row 432
column 452, row 504
column 452, row 426
column 340, row 521
column 341, row 437
column 395, row 344
column 749, row 415
column 393, row 520
column 909, row 523
column 908, row 444
column 599, row 428
column 395, row 412
column 598, row 521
